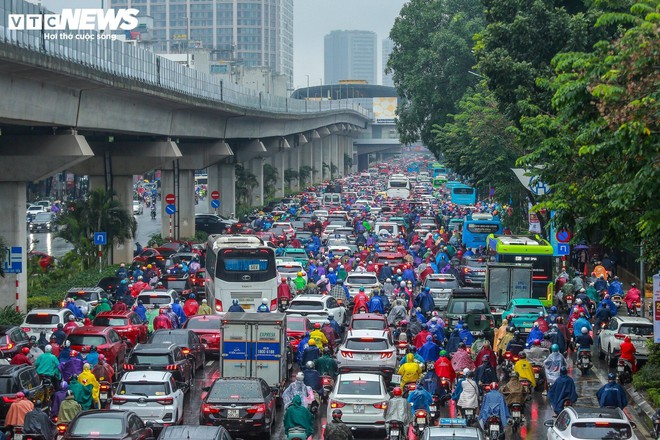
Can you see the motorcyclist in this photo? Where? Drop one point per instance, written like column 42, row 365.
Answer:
column 311, row 352
column 18, row 409
column 615, row 287
column 398, row 410
column 603, row 315
column 336, row 429
column 235, row 307
column 582, row 322
column 298, row 416
column 500, row 332
column 443, row 367
column 283, row 291
column 504, row 342
column 420, row 398
column 462, row 359
column 613, row 308
column 77, row 313
column 21, row 357
column 534, row 334
column 300, row 282
column 584, row 340
column 410, row 371
column 466, row 393
column 298, row 388
column 204, row 308
column 375, row 305
column 70, row 325
column 542, row 323
column 536, row 354
column 327, row 365
column 161, row 321
column 628, row 353
column 430, row 350
column 141, row 310
column 552, row 316
column 524, row 369
column 513, row 391
column 561, row 390
column 553, row 365
column 102, row 371
column 477, row 345
column 612, row 394
column 312, row 377
column 632, row 296
column 360, row 300
column 466, row 335
column 48, row 365
column 425, row 300
column 59, row 334
column 263, row 307
column 485, row 373
column 319, row 336
column 486, row 351
column 517, row 344
column 420, row 338
column 190, row 307
column 494, row 404
column 38, row 422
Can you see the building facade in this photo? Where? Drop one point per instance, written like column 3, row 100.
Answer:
column 350, row 55
column 386, row 52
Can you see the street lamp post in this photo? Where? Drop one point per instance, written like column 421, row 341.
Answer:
column 307, row 87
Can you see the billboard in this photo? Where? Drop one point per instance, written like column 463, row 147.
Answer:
column 384, row 110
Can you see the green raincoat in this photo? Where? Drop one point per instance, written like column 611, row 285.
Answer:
column 82, row 393
column 296, row 415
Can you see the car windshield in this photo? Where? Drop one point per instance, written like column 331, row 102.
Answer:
column 306, row 305
column 637, row 330
column 150, row 359
column 203, row 324
column 359, row 387
column 90, row 426
column 155, row 299
column 105, row 321
column 368, row 344
column 178, row 285
column 142, row 388
column 601, row 430
column 86, row 339
column 296, row 325
column 391, row 261
column 42, row 319
column 452, row 433
column 527, row 309
column 475, row 263
column 7, row 385
column 462, row 307
column 228, row 390
column 368, row 324
column 441, row 284
column 289, row 269
column 43, row 216
column 85, row 296
column 361, row 279
column 165, row 337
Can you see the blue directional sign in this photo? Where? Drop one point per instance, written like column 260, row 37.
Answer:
column 215, row 204
column 13, row 260
column 563, row 249
column 100, row 238
column 170, row 209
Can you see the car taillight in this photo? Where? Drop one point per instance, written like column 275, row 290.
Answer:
column 118, row 400
column 166, row 401
column 172, row 367
column 386, row 355
column 273, row 305
column 104, row 387
column 620, row 336
column 210, row 409
column 346, row 354
column 218, row 305
column 9, row 399
column 26, row 329
column 129, row 367
column 380, row 405
column 61, row 428
column 185, row 350
column 336, row 404
column 7, row 347
column 255, row 409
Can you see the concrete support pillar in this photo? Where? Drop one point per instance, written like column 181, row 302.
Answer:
column 222, row 178
column 341, row 149
column 280, row 162
column 294, row 164
column 307, row 159
column 14, row 232
column 317, row 164
column 334, row 156
column 183, row 187
column 326, row 158
column 256, row 167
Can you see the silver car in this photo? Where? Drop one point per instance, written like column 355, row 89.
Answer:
column 362, row 397
column 367, row 350
column 355, row 280
column 441, row 285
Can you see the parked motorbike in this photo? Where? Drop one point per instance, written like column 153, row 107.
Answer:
column 493, row 428
column 517, row 412
column 584, row 360
column 624, row 371
column 420, row 422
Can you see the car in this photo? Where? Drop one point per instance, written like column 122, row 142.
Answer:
column 368, row 321
column 12, row 340
column 355, row 280
column 153, row 395
column 151, row 256
column 473, row 271
column 470, row 306
column 44, row 203
column 610, row 338
column 180, row 282
column 33, row 210
column 109, row 284
column 362, row 397
column 296, row 327
column 525, row 311
column 44, row 260
column 138, row 209
column 394, row 259
column 441, row 285
column 452, row 428
column 240, row 404
column 43, row 222
column 187, row 340
column 85, row 298
column 298, row 254
column 590, row 423
column 287, row 227
column 161, row 357
column 367, row 350
column 15, row 378
column 46, row 320
column 211, row 224
column 106, row 340
column 290, row 268
column 207, row 328
column 159, row 298
column 193, row 431
column 107, row 424
column 128, row 324
column 321, row 214
column 316, row 308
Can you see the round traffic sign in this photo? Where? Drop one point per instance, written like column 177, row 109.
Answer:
column 563, row 236
column 215, row 204
column 215, row 195
column 170, row 199
column 170, row 209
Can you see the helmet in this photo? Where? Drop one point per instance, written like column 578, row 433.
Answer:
column 71, row 318
column 340, row 281
column 312, row 342
column 60, row 326
column 578, row 301
column 191, row 296
column 522, row 355
column 461, row 345
column 427, row 289
column 563, row 371
column 67, row 344
column 402, row 284
column 537, row 342
column 264, row 301
column 541, row 314
column 466, row 371
column 309, row 364
column 397, row 391
column 161, row 312
column 555, row 348
column 388, row 280
column 317, row 325
column 300, row 377
column 300, row 274
column 633, row 285
column 584, row 330
column 516, row 333
column 480, row 335
column 74, row 353
column 25, row 350
column 234, row 302
column 494, row 386
column 336, row 414
column 611, row 376
column 553, row 309
column 361, row 289
column 101, row 357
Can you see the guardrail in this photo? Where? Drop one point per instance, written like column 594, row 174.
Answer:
column 127, row 61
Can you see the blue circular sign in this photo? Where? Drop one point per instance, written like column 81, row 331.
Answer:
column 170, row 209
column 215, row 204
column 563, row 236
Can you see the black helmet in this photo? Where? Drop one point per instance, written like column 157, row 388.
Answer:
column 60, row 326
column 611, row 376
column 336, row 414
column 461, row 345
column 516, row 333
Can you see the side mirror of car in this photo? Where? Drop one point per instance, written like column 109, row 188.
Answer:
column 549, row 423
column 634, row 425
column 206, row 389
column 149, row 424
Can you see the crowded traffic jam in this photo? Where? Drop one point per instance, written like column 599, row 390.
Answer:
column 392, row 303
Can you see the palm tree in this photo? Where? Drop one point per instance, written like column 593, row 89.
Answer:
column 270, row 179
column 289, row 176
column 334, row 170
column 348, row 162
column 100, row 212
column 304, row 173
column 245, row 183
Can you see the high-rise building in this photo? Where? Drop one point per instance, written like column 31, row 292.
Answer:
column 252, row 33
column 350, row 55
column 386, row 52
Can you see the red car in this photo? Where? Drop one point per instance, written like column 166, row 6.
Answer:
column 395, row 260
column 150, row 255
column 127, row 324
column 198, row 281
column 207, row 327
column 106, row 340
column 296, row 326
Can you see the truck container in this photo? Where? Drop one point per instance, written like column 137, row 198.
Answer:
column 505, row 281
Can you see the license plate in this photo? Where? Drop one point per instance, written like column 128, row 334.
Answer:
column 103, row 396
column 358, row 409
column 402, row 351
column 536, row 375
column 515, row 414
column 432, row 408
column 396, row 378
column 246, row 306
column 232, row 413
column 394, row 434
column 367, row 357
column 469, row 411
column 494, row 428
column 421, row 421
column 621, row 369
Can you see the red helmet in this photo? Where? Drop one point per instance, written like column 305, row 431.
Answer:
column 397, row 391
column 494, row 386
column 317, row 325
column 25, row 350
column 161, row 311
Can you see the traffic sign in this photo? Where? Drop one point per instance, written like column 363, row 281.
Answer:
column 563, row 236
column 563, row 249
column 12, row 259
column 100, row 238
column 170, row 199
column 215, row 204
column 215, row 195
column 170, row 209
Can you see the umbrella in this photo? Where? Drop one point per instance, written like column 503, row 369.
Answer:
column 581, row 247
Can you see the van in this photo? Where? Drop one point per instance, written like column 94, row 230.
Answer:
column 391, row 227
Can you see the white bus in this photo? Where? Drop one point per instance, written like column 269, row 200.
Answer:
column 398, row 187
column 240, row 267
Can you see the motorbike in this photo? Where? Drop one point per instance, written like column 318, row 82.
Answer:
column 636, row 309
column 328, row 384
column 656, row 424
column 624, row 371
column 153, row 214
column 539, row 376
column 527, row 386
column 584, row 360
column 617, row 299
column 420, row 421
column 407, row 388
column 105, row 393
column 493, row 428
column 446, row 384
column 434, row 410
column 569, row 301
column 396, row 430
column 401, row 349
column 517, row 411
column 296, row 433
column 468, row 415
column 283, row 304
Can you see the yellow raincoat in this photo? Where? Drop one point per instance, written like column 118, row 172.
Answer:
column 86, row 378
column 410, row 371
column 525, row 370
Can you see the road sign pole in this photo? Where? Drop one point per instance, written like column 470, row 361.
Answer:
column 170, row 227
column 18, row 307
column 100, row 259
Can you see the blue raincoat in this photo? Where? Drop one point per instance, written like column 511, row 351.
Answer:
column 535, row 334
column 376, row 305
column 420, row 399
column 579, row 324
column 466, row 336
column 429, row 351
column 425, row 301
column 612, row 394
column 563, row 389
column 141, row 311
column 494, row 404
column 178, row 310
column 454, row 340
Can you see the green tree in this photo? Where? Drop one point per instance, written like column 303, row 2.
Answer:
column 430, row 62
column 100, row 212
column 245, row 183
column 289, row 176
column 305, row 174
column 348, row 163
column 270, row 180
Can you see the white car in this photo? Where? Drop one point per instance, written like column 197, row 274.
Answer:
column 158, row 298
column 441, row 285
column 367, row 350
column 321, row 214
column 152, row 395
column 137, row 207
column 362, row 397
column 316, row 308
column 34, row 210
column 610, row 338
column 38, row 320
column 590, row 423
column 355, row 280
column 290, row 268
column 286, row 227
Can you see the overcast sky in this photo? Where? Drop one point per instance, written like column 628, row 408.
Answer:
column 313, row 19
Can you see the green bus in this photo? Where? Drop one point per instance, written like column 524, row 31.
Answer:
column 440, row 180
column 531, row 250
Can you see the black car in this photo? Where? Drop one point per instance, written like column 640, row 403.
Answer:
column 196, row 432
column 239, row 404
column 161, row 357
column 187, row 340
column 109, row 284
column 211, row 224
column 15, row 378
column 473, row 271
column 44, row 222
column 108, row 424
column 12, row 340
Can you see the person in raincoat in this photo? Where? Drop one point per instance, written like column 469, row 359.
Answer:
column 141, row 310
column 420, row 398
column 87, row 378
column 486, row 351
column 443, row 367
column 581, row 322
column 536, row 354
column 430, row 350
column 466, row 393
column 18, row 409
column 58, row 397
column 72, row 367
column 191, row 306
column 499, row 334
column 398, row 409
column 552, row 316
column 562, row 389
column 82, row 393
column 534, row 334
column 524, row 369
column 178, row 311
column 425, row 301
column 454, row 340
column 410, row 371
column 204, row 308
column 103, row 306
column 504, row 342
column 48, row 365
column 37, row 422
column 466, row 336
column 298, row 388
column 494, row 404
column 514, row 391
column 485, row 373
column 69, row 408
column 477, row 345
column 462, row 359
column 297, row 416
column 556, row 336
column 327, row 365
column 612, row 394
column 92, row 357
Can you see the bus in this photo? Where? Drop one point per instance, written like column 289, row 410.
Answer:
column 240, row 267
column 478, row 227
column 530, row 250
column 398, row 187
column 383, row 168
column 413, row 168
column 464, row 195
column 439, row 180
column 438, row 169
column 201, row 179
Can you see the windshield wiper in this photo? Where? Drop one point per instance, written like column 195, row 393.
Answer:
column 138, row 394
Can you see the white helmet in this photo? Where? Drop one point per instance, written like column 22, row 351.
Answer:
column 264, row 301
column 300, row 377
column 584, row 330
column 48, row 348
column 578, row 301
column 402, row 284
column 388, row 280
